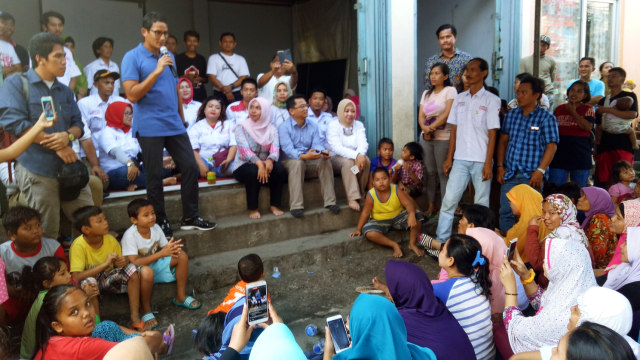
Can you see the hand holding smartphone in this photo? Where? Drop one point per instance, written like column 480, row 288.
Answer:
column 257, row 302
column 47, row 108
column 339, row 335
column 511, row 252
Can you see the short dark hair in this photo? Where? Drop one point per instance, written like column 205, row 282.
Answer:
column 248, row 80
column 522, row 75
column 591, row 341
column 228, row 33
column 193, row 33
column 17, row 216
column 44, row 19
column 414, row 149
column 479, row 216
column 615, row 170
column 590, row 59
column 483, row 65
column 585, row 87
column 151, row 18
column 69, row 39
column 445, row 27
column 385, row 140
column 379, row 169
column 619, row 70
column 570, row 189
column 171, row 36
column 208, row 339
column 97, row 44
column 5, row 16
column 42, row 44
column 537, row 84
column 250, row 268
column 315, row 90
column 134, row 206
column 291, row 101
column 82, row 217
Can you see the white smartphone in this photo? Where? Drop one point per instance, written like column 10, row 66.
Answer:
column 341, row 340
column 257, row 302
column 511, row 252
column 355, row 170
column 47, row 108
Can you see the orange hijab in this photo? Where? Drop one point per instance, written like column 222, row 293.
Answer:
column 529, row 204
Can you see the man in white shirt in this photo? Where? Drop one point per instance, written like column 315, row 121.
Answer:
column 53, row 22
column 475, row 119
column 9, row 59
column 226, row 70
column 267, row 81
column 103, row 50
column 315, row 113
column 239, row 110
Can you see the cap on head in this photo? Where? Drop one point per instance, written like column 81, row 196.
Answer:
column 101, row 74
column 545, row 39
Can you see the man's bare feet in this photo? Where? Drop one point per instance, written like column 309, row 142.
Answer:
column 171, row 180
column 430, row 210
column 417, row 250
column 254, row 214
column 276, row 211
column 397, row 252
column 354, row 205
column 132, row 187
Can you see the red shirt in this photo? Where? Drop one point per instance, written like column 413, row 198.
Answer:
column 567, row 125
column 72, row 348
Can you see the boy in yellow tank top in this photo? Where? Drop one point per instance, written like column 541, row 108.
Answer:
column 384, row 208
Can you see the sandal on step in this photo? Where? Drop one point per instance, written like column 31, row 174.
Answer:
column 149, row 317
column 168, row 337
column 187, row 303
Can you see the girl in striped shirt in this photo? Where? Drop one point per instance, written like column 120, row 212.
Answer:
column 467, row 291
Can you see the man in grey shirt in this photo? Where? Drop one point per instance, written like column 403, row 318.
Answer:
column 546, row 69
column 37, row 168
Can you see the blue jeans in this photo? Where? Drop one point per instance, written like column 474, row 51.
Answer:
column 560, row 176
column 217, row 169
column 118, row 179
column 461, row 172
column 507, row 219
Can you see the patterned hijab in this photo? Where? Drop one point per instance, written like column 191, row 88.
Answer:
column 569, row 228
column 600, row 201
column 529, row 204
column 281, row 105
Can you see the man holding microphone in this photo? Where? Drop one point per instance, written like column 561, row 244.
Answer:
column 150, row 82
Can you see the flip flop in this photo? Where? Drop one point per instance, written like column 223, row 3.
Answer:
column 368, row 290
column 168, row 337
column 187, row 303
column 147, row 318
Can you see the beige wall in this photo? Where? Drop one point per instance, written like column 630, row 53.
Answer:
column 629, row 52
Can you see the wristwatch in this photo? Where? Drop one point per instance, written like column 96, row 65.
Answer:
column 71, row 137
column 541, row 170
column 129, row 163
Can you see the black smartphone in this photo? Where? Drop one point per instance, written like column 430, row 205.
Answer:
column 284, row 55
column 512, row 249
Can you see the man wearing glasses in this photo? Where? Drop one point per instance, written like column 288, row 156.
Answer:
column 159, row 122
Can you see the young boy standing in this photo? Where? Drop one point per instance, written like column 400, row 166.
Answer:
column 386, row 207
column 144, row 243
column 384, row 159
column 97, row 254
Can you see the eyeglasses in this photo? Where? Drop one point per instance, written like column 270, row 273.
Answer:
column 128, row 113
column 158, row 33
column 302, row 106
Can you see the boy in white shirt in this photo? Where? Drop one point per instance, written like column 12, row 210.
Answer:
column 144, row 243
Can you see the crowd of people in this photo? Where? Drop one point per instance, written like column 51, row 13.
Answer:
column 570, row 287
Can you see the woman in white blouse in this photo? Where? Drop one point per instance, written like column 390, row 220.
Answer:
column 348, row 146
column 212, row 139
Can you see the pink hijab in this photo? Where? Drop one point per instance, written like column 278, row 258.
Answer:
column 631, row 219
column 494, row 249
column 627, row 272
column 261, row 131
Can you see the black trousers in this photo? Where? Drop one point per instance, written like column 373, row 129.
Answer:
column 179, row 147
column 248, row 175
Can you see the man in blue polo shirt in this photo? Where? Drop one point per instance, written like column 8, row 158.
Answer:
column 528, row 142
column 159, row 123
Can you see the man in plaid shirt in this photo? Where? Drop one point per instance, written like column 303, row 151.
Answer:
column 528, row 141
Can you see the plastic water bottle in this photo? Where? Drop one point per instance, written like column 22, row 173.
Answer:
column 311, row 330
column 194, row 332
column 318, row 348
column 276, row 273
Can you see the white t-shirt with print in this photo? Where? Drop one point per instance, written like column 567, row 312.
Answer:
column 216, row 66
column 8, row 55
column 134, row 244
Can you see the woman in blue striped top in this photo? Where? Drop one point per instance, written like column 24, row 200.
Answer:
column 467, row 291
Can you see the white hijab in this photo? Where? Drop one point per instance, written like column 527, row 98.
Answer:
column 568, row 268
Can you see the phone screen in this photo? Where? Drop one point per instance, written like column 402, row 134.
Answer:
column 512, row 249
column 339, row 333
column 47, row 107
column 258, row 304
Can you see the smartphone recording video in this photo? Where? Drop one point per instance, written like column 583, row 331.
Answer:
column 257, row 302
column 512, row 249
column 341, row 340
column 47, row 108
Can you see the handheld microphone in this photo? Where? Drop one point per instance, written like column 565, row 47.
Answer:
column 164, row 51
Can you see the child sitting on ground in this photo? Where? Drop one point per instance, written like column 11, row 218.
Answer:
column 624, row 176
column 615, row 125
column 409, row 172
column 386, row 207
column 384, row 159
column 250, row 269
column 144, row 243
column 26, row 247
column 97, row 254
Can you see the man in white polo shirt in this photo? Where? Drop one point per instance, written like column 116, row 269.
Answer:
column 475, row 120
column 226, row 70
column 53, row 22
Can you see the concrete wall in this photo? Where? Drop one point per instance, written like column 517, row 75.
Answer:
column 629, row 52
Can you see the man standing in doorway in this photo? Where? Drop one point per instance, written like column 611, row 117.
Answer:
column 546, row 68
column 150, row 85
column 454, row 58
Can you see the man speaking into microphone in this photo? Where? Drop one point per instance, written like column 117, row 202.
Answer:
column 149, row 81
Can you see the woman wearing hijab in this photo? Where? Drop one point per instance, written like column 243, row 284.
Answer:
column 627, row 216
column 526, row 203
column 347, row 141
column 281, row 93
column 428, row 321
column 599, row 209
column 625, row 277
column 597, row 305
column 566, row 264
column 256, row 162
column 189, row 106
column 377, row 333
column 276, row 343
column 119, row 150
